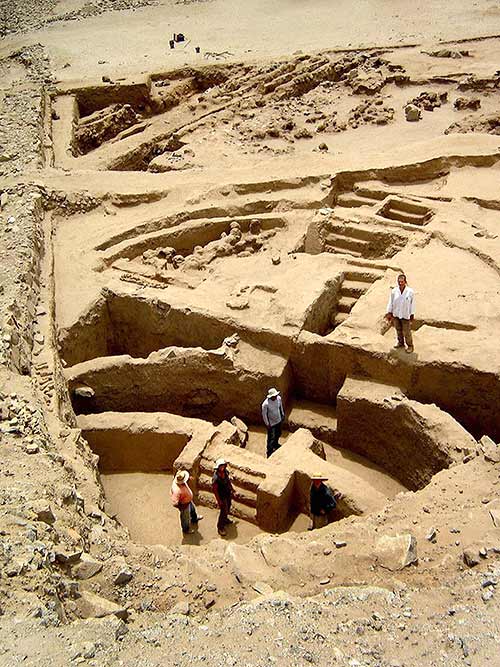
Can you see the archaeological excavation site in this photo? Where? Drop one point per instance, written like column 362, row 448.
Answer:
column 184, row 228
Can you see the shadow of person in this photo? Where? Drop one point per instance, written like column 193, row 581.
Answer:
column 403, row 354
column 193, row 538
column 231, row 530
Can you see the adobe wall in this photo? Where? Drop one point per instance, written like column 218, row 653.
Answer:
column 141, row 442
column 191, row 382
column 286, row 488
column 320, row 366
column 410, row 440
column 138, row 325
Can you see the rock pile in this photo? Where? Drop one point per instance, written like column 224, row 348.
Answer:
column 21, row 140
column 428, row 101
column 371, row 111
column 23, row 420
column 21, row 17
column 448, row 53
column 489, row 124
column 231, row 242
column 21, row 248
column 462, row 103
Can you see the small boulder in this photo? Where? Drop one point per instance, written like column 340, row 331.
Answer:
column 208, row 600
column 262, row 588
column 237, row 303
column 396, row 553
column 43, row 512
column 123, row 577
column 462, row 103
column 242, row 429
column 471, row 556
column 87, row 568
column 412, row 113
column 255, row 227
column 494, row 509
column 490, row 450
column 431, row 535
column 90, row 605
column 67, row 557
column 83, row 391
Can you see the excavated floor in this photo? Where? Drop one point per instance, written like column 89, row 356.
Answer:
column 192, row 299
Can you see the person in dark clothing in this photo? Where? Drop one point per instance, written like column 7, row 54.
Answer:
column 322, row 501
column 223, row 490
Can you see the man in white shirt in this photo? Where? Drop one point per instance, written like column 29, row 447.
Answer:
column 273, row 416
column 401, row 311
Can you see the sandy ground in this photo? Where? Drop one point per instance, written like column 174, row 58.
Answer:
column 142, row 503
column 356, row 611
column 135, row 41
column 372, row 474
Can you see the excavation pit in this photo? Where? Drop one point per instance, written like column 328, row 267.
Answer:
column 139, row 453
column 136, row 350
column 284, row 141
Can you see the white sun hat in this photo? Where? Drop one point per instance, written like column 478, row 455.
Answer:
column 182, row 476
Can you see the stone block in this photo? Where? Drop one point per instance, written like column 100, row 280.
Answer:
column 397, row 552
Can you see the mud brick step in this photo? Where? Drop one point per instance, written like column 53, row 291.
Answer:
column 347, row 242
column 362, row 232
column 344, row 251
column 243, row 496
column 237, row 509
column 354, row 288
column 243, row 480
column 340, row 318
column 345, row 304
column 349, row 200
column 255, row 467
column 403, row 216
column 361, row 275
column 409, row 207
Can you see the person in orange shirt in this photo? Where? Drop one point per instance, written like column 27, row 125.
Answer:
column 182, row 498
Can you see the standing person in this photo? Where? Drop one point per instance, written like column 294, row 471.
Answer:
column 223, row 490
column 182, row 498
column 273, row 416
column 322, row 501
column 401, row 311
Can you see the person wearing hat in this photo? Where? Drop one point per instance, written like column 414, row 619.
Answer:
column 182, row 498
column 273, row 416
column 322, row 501
column 223, row 491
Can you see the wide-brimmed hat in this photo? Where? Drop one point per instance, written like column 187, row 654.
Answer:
column 182, row 476
column 219, row 463
column 321, row 477
column 272, row 392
